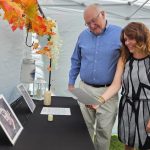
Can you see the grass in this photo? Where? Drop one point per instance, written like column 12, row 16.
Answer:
column 115, row 143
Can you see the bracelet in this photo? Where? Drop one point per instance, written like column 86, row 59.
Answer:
column 101, row 99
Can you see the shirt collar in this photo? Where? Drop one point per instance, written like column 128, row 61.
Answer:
column 106, row 27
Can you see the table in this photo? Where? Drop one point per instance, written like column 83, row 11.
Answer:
column 64, row 132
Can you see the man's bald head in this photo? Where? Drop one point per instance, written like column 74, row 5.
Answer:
column 94, row 18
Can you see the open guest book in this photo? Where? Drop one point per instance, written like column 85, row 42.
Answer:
column 83, row 97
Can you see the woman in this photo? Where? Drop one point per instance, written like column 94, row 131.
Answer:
column 133, row 74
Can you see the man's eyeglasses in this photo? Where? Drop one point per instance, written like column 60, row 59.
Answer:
column 93, row 20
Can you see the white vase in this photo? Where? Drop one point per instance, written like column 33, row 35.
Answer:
column 47, row 98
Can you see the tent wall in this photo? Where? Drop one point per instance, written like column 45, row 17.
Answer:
column 11, row 54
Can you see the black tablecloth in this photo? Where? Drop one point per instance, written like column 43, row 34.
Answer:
column 64, row 132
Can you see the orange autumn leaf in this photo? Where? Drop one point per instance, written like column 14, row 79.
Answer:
column 48, row 54
column 42, row 26
column 13, row 13
column 46, row 48
column 26, row 3
column 30, row 7
column 35, row 45
column 40, row 51
column 43, row 50
column 49, row 43
column 14, row 28
column 17, row 1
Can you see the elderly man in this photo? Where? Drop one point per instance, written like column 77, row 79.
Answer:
column 95, row 57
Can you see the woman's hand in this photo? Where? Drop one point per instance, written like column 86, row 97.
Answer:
column 148, row 127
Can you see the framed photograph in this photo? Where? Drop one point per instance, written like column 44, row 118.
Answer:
column 26, row 97
column 8, row 121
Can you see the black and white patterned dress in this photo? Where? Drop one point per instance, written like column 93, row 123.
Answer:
column 134, row 108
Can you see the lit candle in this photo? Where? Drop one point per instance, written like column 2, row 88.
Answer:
column 47, row 98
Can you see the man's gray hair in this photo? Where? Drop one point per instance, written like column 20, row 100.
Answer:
column 96, row 5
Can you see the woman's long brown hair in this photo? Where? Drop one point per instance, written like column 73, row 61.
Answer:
column 139, row 32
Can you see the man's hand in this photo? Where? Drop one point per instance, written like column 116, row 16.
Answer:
column 70, row 87
column 92, row 106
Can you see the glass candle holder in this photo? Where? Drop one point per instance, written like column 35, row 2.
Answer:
column 39, row 89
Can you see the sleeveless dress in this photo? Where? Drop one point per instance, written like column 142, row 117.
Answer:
column 134, row 107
